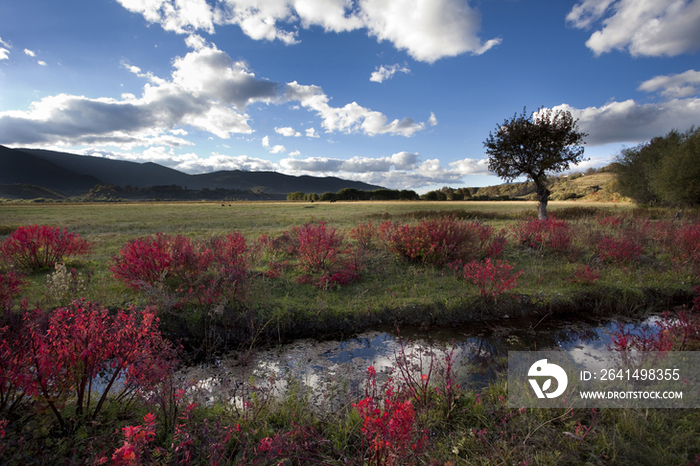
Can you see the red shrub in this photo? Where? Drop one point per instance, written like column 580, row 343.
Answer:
column 388, row 429
column 550, row 233
column 686, row 245
column 442, row 241
column 64, row 355
column 585, row 275
column 11, row 285
column 319, row 247
column 194, row 271
column 681, row 333
column 492, row 278
column 37, row 247
column 135, row 450
column 618, row 251
column 364, row 234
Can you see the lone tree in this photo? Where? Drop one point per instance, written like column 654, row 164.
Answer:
column 546, row 141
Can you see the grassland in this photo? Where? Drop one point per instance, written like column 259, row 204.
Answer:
column 468, row 429
column 392, row 290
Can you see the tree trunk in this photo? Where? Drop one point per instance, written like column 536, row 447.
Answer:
column 543, row 198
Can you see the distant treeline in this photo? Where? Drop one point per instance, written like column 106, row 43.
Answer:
column 352, row 194
column 443, row 194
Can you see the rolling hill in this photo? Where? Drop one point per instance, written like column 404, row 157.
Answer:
column 72, row 175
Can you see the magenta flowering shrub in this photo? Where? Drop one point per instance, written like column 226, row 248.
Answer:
column 492, row 277
column 37, row 247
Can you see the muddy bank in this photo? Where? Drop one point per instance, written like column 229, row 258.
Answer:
column 236, row 329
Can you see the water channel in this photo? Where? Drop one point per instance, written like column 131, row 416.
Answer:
column 332, row 373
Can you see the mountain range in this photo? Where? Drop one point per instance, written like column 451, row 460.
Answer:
column 73, row 175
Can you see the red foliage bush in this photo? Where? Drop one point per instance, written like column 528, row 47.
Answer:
column 60, row 356
column 388, row 428
column 194, row 271
column 319, row 247
column 323, row 256
column 551, row 233
column 37, row 247
column 441, row 241
column 585, row 275
column 365, row 235
column 618, row 251
column 11, row 285
column 492, row 278
column 680, row 333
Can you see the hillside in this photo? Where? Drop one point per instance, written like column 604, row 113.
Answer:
column 75, row 175
column 592, row 187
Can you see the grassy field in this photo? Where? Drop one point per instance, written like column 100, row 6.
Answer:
column 391, row 289
column 447, row 425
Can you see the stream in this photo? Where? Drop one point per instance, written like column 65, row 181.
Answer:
column 332, row 373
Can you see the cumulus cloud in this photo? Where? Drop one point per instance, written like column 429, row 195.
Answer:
column 311, row 133
column 432, row 121
column 402, row 170
column 287, row 131
column 29, row 52
column 382, row 73
column 207, row 90
column 350, row 118
column 42, row 62
column 277, row 149
column 649, row 27
column 676, row 85
column 427, row 29
column 629, row 121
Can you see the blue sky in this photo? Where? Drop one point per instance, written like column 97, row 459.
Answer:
column 399, row 93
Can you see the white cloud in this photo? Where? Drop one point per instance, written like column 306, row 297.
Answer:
column 266, row 141
column 207, row 90
column 402, row 170
column 427, row 29
column 382, row 73
column 29, row 52
column 643, row 27
column 287, row 131
column 311, row 133
column 471, row 167
column 295, row 153
column 42, row 62
column 4, row 52
column 629, row 121
column 277, row 149
column 676, row 85
column 432, row 121
column 350, row 118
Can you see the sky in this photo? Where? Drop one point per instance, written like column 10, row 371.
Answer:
column 396, row 93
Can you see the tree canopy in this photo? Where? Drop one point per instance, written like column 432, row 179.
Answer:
column 544, row 142
column 665, row 170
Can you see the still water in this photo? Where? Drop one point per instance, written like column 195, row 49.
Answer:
column 333, row 372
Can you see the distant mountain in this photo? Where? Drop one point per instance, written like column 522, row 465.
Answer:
column 72, row 174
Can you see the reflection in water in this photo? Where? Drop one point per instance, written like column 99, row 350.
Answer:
column 332, row 372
